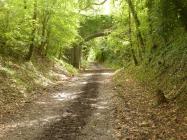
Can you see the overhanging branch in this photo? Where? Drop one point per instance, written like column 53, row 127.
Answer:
column 103, row 2
column 92, row 4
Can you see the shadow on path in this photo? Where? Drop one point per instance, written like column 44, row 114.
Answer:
column 75, row 117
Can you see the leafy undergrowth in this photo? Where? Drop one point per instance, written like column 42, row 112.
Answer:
column 21, row 81
column 138, row 116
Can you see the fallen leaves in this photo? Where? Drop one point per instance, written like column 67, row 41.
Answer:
column 139, row 119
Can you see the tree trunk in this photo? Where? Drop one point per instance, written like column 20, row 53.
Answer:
column 31, row 48
column 72, row 55
column 47, row 40
column 137, row 22
column 130, row 40
column 60, row 53
column 149, row 8
column 44, row 34
column 46, row 29
column 76, row 56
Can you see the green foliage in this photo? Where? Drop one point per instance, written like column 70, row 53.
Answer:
column 56, row 24
column 95, row 24
column 162, row 64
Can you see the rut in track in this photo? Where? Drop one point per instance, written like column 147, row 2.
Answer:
column 80, row 109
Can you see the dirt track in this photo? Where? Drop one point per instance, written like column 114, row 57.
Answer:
column 92, row 106
column 79, row 109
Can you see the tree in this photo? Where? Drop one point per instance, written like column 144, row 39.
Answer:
column 137, row 22
column 32, row 45
column 130, row 40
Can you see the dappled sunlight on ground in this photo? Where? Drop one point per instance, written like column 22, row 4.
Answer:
column 98, row 106
column 63, row 112
column 28, row 123
column 65, row 96
column 97, row 74
column 41, row 103
column 7, row 70
column 22, row 81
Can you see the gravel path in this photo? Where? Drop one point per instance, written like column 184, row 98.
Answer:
column 81, row 109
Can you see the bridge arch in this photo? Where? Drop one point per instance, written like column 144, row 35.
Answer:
column 76, row 50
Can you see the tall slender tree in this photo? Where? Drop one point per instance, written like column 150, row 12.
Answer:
column 34, row 20
column 137, row 22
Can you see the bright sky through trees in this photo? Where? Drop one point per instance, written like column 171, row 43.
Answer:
column 103, row 9
column 106, row 9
